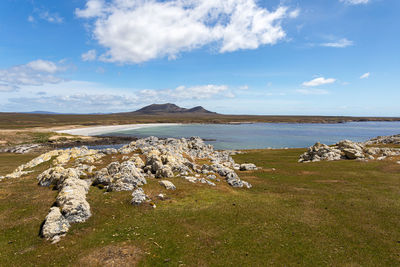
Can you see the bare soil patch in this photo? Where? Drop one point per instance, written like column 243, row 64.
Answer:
column 113, row 255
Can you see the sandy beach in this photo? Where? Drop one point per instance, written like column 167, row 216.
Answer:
column 98, row 130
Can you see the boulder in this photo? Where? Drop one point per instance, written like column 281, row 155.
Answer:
column 164, row 172
column 353, row 153
column 54, row 224
column 248, row 167
column 138, row 197
column 120, row 177
column 167, row 184
column 72, row 200
column 57, row 175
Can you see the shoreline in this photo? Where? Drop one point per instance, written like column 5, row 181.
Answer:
column 99, row 130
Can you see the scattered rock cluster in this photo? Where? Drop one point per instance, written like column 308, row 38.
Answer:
column 73, row 171
column 392, row 139
column 21, row 149
column 347, row 150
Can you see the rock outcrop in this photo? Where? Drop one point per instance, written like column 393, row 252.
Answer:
column 54, row 224
column 346, row 150
column 392, row 139
column 21, row 149
column 73, row 171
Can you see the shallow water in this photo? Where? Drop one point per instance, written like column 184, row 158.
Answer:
column 274, row 135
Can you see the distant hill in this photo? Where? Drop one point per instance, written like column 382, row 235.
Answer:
column 170, row 109
column 41, row 112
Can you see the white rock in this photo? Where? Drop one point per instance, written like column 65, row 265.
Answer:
column 138, row 197
column 55, row 224
column 191, row 179
column 167, row 184
column 248, row 167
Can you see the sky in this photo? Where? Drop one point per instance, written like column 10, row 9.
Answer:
column 266, row 57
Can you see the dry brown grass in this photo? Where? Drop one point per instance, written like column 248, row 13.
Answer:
column 112, row 256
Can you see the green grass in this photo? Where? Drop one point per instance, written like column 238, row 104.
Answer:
column 344, row 213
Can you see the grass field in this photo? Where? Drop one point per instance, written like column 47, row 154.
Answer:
column 344, row 213
column 21, row 120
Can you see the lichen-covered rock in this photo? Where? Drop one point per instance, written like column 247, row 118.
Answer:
column 167, row 184
column 392, row 139
column 205, row 181
column 319, row 152
column 138, row 197
column 72, row 200
column 120, row 177
column 248, row 167
column 55, row 224
column 346, row 149
column 164, row 172
column 57, row 175
column 17, row 174
column 149, row 157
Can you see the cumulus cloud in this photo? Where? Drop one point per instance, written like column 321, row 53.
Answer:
column 312, row 91
column 36, row 72
column 43, row 66
column 244, row 87
column 319, row 81
column 135, row 31
column 355, row 2
column 89, row 55
column 185, row 93
column 342, row 43
column 365, row 75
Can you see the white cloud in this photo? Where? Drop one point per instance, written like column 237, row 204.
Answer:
column 78, row 96
column 294, row 14
column 185, row 93
column 51, row 17
column 244, row 87
column 7, row 88
column 312, row 92
column 365, row 75
column 355, row 2
column 42, row 66
column 137, row 31
column 319, row 81
column 89, row 55
column 46, row 15
column 36, row 72
column 342, row 43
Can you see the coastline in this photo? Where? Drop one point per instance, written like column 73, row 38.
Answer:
column 98, row 130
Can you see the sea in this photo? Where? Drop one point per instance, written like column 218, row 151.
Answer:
column 268, row 135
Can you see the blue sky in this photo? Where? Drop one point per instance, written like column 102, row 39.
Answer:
column 288, row 57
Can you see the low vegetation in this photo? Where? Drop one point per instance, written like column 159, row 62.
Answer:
column 20, row 120
column 341, row 213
